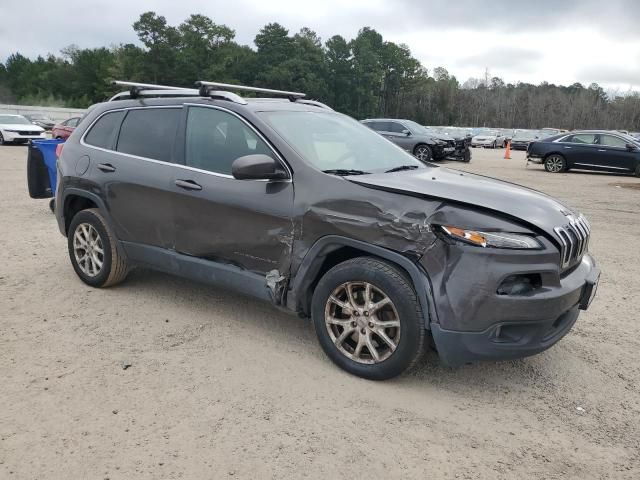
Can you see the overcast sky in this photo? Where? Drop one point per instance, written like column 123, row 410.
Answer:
column 560, row 41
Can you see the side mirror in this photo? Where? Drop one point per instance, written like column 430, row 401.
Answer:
column 406, row 132
column 257, row 167
column 631, row 146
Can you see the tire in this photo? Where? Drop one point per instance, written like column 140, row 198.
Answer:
column 52, row 205
column 423, row 153
column 2, row 142
column 637, row 172
column 467, row 156
column 58, row 137
column 114, row 267
column 555, row 163
column 385, row 281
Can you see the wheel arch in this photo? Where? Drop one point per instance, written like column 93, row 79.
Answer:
column 76, row 200
column 331, row 250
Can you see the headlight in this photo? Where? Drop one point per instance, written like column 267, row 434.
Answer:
column 492, row 239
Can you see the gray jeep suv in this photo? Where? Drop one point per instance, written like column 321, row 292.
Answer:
column 288, row 201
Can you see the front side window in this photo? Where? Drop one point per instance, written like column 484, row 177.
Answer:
column 215, row 139
column 104, row 132
column 396, row 127
column 612, row 141
column 329, row 141
column 149, row 133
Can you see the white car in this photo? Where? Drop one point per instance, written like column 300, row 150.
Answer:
column 16, row 128
column 488, row 138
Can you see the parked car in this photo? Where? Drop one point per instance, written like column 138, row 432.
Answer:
column 63, row 130
column 426, row 145
column 41, row 120
column 305, row 208
column 523, row 138
column 597, row 150
column 488, row 138
column 17, row 129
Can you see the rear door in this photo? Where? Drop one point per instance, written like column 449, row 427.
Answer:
column 247, row 223
column 132, row 162
column 614, row 155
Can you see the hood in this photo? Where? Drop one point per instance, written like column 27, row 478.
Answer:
column 524, row 204
column 21, row 127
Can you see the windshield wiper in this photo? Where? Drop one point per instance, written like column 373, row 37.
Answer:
column 402, row 167
column 345, row 171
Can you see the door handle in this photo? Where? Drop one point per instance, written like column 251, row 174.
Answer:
column 601, row 150
column 106, row 167
column 188, row 185
column 567, row 147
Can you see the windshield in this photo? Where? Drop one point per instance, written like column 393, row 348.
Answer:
column 331, row 141
column 39, row 117
column 526, row 135
column 416, row 128
column 14, row 120
column 487, row 132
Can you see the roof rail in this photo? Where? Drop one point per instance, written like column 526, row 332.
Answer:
column 152, row 90
column 206, row 86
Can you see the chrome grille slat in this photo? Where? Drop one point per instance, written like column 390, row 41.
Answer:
column 574, row 239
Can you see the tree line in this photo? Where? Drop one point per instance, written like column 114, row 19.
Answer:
column 366, row 76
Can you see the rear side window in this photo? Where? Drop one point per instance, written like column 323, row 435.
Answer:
column 585, row 138
column 149, row 133
column 612, row 141
column 216, row 138
column 104, row 132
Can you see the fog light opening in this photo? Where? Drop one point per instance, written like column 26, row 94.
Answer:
column 520, row 284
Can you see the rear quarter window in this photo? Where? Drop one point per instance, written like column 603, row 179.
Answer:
column 103, row 133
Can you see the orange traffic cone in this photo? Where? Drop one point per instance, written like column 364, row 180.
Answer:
column 507, row 152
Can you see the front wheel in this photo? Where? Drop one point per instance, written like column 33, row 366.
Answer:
column 93, row 250
column 555, row 164
column 1, row 139
column 423, row 153
column 368, row 319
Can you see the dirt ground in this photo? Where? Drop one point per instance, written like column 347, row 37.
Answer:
column 223, row 386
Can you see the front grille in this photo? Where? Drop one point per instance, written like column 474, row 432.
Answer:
column 26, row 134
column 574, row 240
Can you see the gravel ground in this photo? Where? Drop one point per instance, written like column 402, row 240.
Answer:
column 223, row 386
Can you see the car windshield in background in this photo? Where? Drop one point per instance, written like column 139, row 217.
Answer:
column 39, row 117
column 331, row 141
column 488, row 133
column 14, row 120
column 526, row 136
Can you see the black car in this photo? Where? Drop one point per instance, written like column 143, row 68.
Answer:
column 425, row 145
column 41, row 120
column 522, row 138
column 598, row 150
column 290, row 202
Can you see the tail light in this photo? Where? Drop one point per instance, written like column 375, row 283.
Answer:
column 59, row 149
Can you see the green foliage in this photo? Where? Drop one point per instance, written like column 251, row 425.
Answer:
column 363, row 77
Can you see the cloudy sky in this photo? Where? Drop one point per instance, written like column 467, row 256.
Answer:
column 560, row 41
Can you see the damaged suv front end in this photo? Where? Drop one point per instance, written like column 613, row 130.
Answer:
column 509, row 267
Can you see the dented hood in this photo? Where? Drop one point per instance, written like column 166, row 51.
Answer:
column 521, row 203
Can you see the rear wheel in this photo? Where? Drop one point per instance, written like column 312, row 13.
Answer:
column 93, row 250
column 368, row 319
column 555, row 163
column 423, row 153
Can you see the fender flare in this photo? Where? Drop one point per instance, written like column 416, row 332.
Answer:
column 313, row 260
column 77, row 192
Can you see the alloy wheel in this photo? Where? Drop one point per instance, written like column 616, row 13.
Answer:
column 423, row 154
column 88, row 249
column 554, row 164
column 363, row 322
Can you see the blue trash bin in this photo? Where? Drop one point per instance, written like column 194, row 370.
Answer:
column 48, row 149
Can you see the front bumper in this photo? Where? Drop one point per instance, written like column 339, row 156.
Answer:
column 475, row 322
column 22, row 137
column 484, row 143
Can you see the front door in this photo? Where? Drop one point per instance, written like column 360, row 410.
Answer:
column 614, row 155
column 246, row 223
